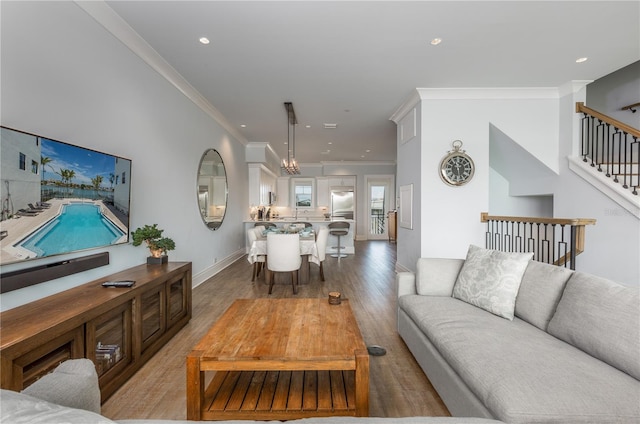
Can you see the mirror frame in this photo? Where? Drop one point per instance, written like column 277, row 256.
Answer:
column 210, row 191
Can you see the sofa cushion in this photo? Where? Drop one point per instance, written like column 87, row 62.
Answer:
column 20, row 408
column 74, row 383
column 489, row 279
column 436, row 277
column 539, row 293
column 603, row 319
column 522, row 374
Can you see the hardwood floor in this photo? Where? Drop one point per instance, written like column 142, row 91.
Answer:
column 398, row 387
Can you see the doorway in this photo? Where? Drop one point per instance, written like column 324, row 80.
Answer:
column 379, row 196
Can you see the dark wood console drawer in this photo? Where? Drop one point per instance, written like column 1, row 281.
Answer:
column 23, row 369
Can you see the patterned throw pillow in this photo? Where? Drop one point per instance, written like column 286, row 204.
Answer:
column 490, row 280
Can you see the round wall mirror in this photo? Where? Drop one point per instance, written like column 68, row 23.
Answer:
column 212, row 189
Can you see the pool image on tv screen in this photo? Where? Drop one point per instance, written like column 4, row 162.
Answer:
column 59, row 198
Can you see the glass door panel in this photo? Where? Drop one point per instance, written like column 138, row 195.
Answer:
column 377, row 210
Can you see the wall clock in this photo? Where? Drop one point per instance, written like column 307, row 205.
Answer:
column 456, row 168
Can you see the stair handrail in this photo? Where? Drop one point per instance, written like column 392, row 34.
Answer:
column 506, row 239
column 485, row 217
column 581, row 108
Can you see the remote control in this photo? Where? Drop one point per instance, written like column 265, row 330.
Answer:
column 123, row 283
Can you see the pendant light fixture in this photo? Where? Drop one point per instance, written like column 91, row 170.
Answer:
column 290, row 165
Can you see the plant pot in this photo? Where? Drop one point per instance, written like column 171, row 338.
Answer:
column 152, row 260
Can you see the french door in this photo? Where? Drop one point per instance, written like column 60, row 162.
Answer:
column 379, row 196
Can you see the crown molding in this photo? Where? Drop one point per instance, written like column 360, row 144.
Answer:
column 572, row 87
column 488, row 93
column 121, row 30
column 406, row 106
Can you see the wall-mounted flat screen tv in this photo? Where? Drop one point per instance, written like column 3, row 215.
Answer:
column 59, row 198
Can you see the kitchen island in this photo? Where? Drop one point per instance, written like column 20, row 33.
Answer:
column 317, row 222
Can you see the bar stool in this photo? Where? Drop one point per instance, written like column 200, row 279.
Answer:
column 338, row 229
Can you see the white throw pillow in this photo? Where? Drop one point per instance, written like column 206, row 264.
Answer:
column 490, row 279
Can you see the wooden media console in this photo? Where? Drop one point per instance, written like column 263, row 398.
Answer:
column 119, row 329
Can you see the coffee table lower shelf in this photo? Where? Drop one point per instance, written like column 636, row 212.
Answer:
column 279, row 395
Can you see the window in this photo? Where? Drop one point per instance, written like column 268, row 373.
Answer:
column 34, row 166
column 23, row 161
column 117, row 179
column 124, row 180
column 303, row 192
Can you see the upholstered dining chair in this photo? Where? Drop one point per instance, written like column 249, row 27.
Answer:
column 321, row 244
column 283, row 253
column 252, row 235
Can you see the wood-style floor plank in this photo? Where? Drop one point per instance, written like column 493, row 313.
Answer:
column 397, row 385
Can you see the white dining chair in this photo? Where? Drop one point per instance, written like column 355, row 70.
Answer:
column 283, row 253
column 252, row 235
column 321, row 244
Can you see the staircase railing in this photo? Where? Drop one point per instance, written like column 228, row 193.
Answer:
column 554, row 241
column 610, row 146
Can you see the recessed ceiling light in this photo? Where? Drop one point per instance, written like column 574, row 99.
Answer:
column 285, row 143
column 331, row 142
column 243, row 126
column 307, row 126
column 368, row 151
column 362, row 156
column 436, row 41
column 204, row 40
column 330, row 126
column 581, row 59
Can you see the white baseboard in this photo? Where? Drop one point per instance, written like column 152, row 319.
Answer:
column 209, row 272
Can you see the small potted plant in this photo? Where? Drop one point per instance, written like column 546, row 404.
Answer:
column 158, row 245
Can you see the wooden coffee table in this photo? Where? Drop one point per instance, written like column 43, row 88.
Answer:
column 280, row 359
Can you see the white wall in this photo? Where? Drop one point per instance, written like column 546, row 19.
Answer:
column 410, row 171
column 65, row 77
column 451, row 215
column 612, row 245
column 502, row 203
column 616, row 90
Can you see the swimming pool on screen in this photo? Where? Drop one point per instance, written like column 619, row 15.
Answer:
column 79, row 226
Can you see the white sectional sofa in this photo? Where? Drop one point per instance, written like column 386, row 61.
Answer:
column 70, row 395
column 568, row 353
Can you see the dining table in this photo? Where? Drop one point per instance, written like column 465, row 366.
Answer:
column 308, row 251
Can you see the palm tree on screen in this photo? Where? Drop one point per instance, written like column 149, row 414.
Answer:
column 96, row 183
column 67, row 175
column 44, row 161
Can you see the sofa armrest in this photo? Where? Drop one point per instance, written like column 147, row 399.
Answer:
column 74, row 383
column 406, row 283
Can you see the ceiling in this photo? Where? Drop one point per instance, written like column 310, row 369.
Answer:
column 353, row 63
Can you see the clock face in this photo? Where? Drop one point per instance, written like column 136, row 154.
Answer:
column 456, row 169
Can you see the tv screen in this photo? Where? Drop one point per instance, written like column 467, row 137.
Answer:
column 59, row 198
